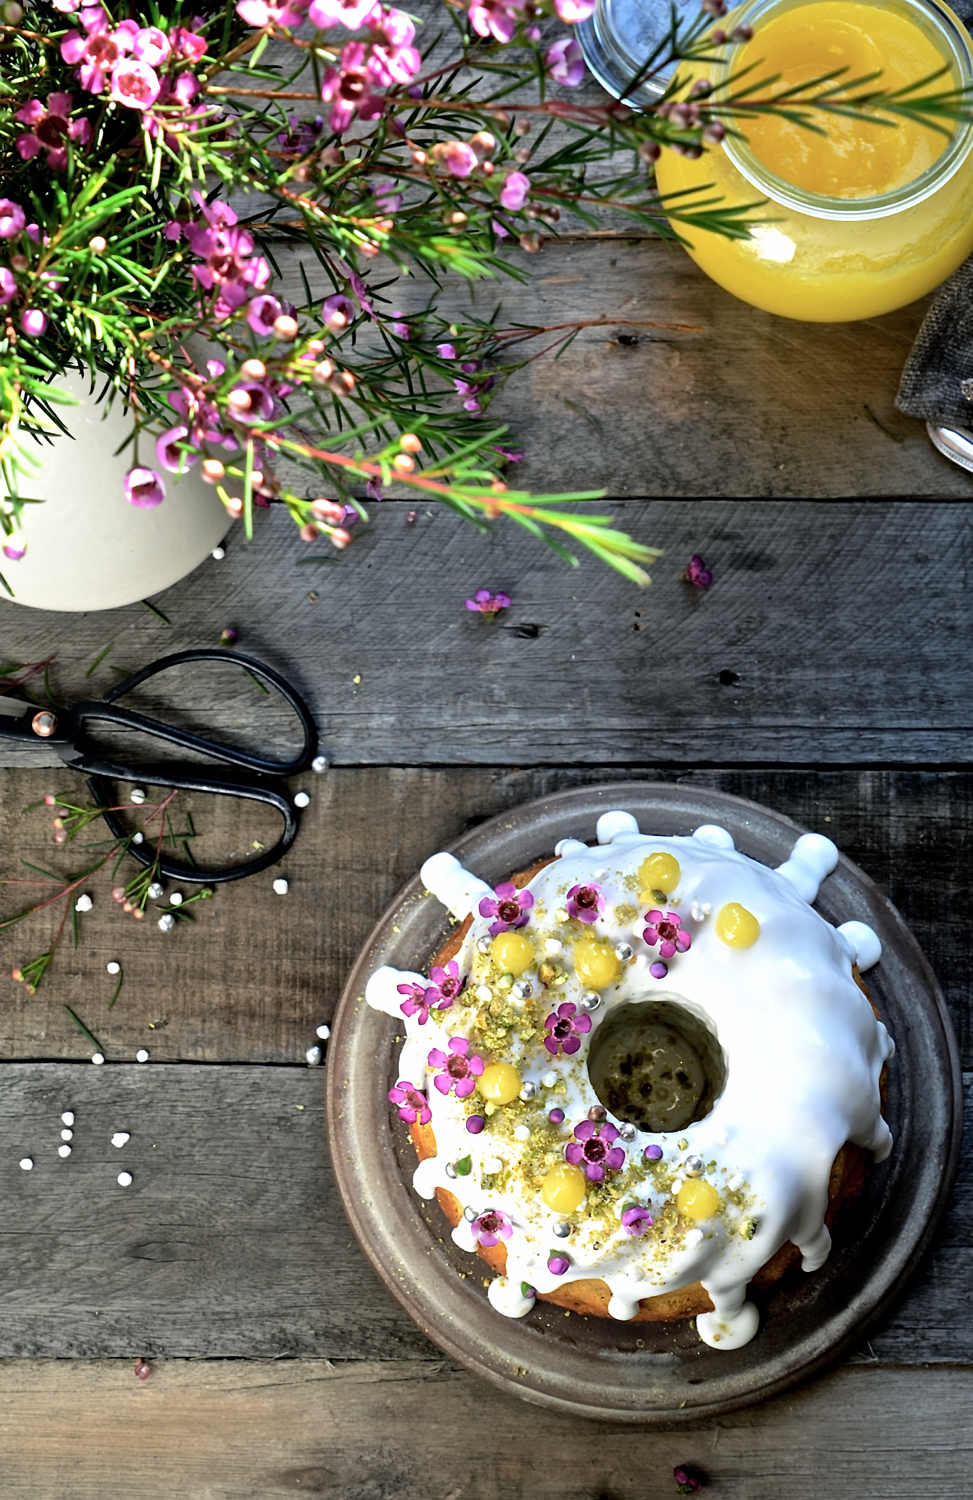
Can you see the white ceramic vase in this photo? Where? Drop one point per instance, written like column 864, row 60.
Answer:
column 87, row 547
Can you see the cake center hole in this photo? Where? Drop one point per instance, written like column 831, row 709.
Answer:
column 656, row 1064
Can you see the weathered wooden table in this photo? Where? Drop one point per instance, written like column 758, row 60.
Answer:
column 827, row 673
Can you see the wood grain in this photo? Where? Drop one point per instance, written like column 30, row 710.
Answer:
column 835, row 633
column 374, row 1431
column 256, row 973
column 231, row 1241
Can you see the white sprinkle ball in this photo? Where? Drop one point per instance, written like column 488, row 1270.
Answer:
column 491, row 1164
column 68, row 1117
column 141, row 1055
column 137, row 796
column 553, row 946
column 26, row 1165
column 522, row 1133
column 319, row 764
column 176, row 898
column 64, row 1150
column 323, row 1032
column 97, row 1058
column 218, row 553
column 137, row 838
column 120, row 1138
column 549, row 1080
column 83, row 903
column 693, row 1238
column 280, row 886
column 484, row 993
column 313, row 1056
column 735, row 1182
column 67, row 1135
column 302, row 800
column 124, row 1179
column 641, row 960
column 114, row 967
column 676, row 1184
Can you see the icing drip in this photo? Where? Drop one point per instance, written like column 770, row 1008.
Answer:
column 802, row 1057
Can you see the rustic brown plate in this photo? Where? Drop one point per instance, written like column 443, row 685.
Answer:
column 648, row 1372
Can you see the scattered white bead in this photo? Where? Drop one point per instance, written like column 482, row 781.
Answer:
column 736, row 1182
column 114, row 967
column 522, row 1133
column 154, row 891
column 68, row 1117
column 141, row 1055
column 553, row 946
column 26, row 1165
column 124, row 1179
column 83, row 903
column 218, row 553
column 323, row 1032
column 137, row 838
column 176, row 898
column 693, row 1238
column 167, row 922
column 137, row 796
column 676, row 1184
column 280, row 886
column 641, row 960
column 120, row 1138
column 484, row 993
column 97, row 1058
column 67, row 1135
column 549, row 1080
column 302, row 800
column 491, row 1164
column 319, row 763
column 313, row 1055
column 64, row 1150
column 700, row 910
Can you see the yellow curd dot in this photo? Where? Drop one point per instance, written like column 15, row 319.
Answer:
column 500, row 1083
column 697, row 1199
column 736, row 927
column 659, row 872
column 564, row 1188
column 512, row 952
column 595, row 963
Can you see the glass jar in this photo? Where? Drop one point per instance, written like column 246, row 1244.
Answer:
column 834, row 259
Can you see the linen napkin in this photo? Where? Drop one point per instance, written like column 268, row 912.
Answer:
column 937, row 382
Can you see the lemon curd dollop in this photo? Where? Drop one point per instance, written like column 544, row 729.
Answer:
column 856, row 158
column 499, row 1083
column 858, row 221
column 512, row 952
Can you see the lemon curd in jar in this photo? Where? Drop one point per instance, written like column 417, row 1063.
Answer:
column 859, row 221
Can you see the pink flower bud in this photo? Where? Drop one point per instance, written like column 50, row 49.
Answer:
column 341, row 538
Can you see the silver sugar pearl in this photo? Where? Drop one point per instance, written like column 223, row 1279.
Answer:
column 154, row 891
column 694, row 1166
column 562, row 1231
column 451, row 1169
column 627, row 1131
column 623, row 952
column 483, row 944
column 528, row 1091
column 319, row 764
column 469, row 1214
column 313, row 1055
column 522, row 990
column 590, row 1000
column 167, row 923
column 597, row 1112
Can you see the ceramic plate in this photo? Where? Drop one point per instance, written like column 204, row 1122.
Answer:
column 600, row 1368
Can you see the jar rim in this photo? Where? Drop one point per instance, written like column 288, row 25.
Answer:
column 958, row 55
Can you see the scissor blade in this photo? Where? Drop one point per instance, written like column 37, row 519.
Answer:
column 11, row 708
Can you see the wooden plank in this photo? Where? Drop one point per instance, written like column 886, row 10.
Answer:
column 256, row 973
column 239, row 1431
column 835, row 633
column 231, row 1242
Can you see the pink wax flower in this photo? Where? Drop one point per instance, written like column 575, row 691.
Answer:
column 338, row 311
column 668, row 932
column 349, row 13
column 33, row 322
column 169, row 453
column 458, row 158
column 483, row 602
column 348, row 88
column 49, row 128
column 98, row 49
column 262, row 313
column 565, row 1028
column 134, row 84
column 564, row 61
column 445, row 983
column 496, row 18
column 411, row 1101
column 252, row 401
column 266, row 12
column 448, row 351
column 8, row 286
column 696, row 572
column 187, row 46
column 636, row 1219
column 509, row 906
column 14, row 547
column 593, row 1149
column 585, row 903
column 492, row 1226
column 12, row 219
column 144, row 488
column 151, row 46
column 393, row 57
column 573, row 11
column 513, row 194
column 459, row 1070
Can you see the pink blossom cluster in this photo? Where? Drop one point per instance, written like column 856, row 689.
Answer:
column 228, row 265
column 49, row 128
column 387, row 57
column 127, row 58
column 13, row 224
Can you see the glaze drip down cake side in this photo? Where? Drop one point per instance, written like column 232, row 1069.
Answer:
column 639, row 1075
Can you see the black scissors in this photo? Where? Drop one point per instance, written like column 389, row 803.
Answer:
column 64, row 730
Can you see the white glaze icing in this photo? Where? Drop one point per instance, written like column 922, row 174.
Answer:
column 802, row 1047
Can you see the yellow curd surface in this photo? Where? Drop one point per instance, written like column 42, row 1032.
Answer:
column 820, row 269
